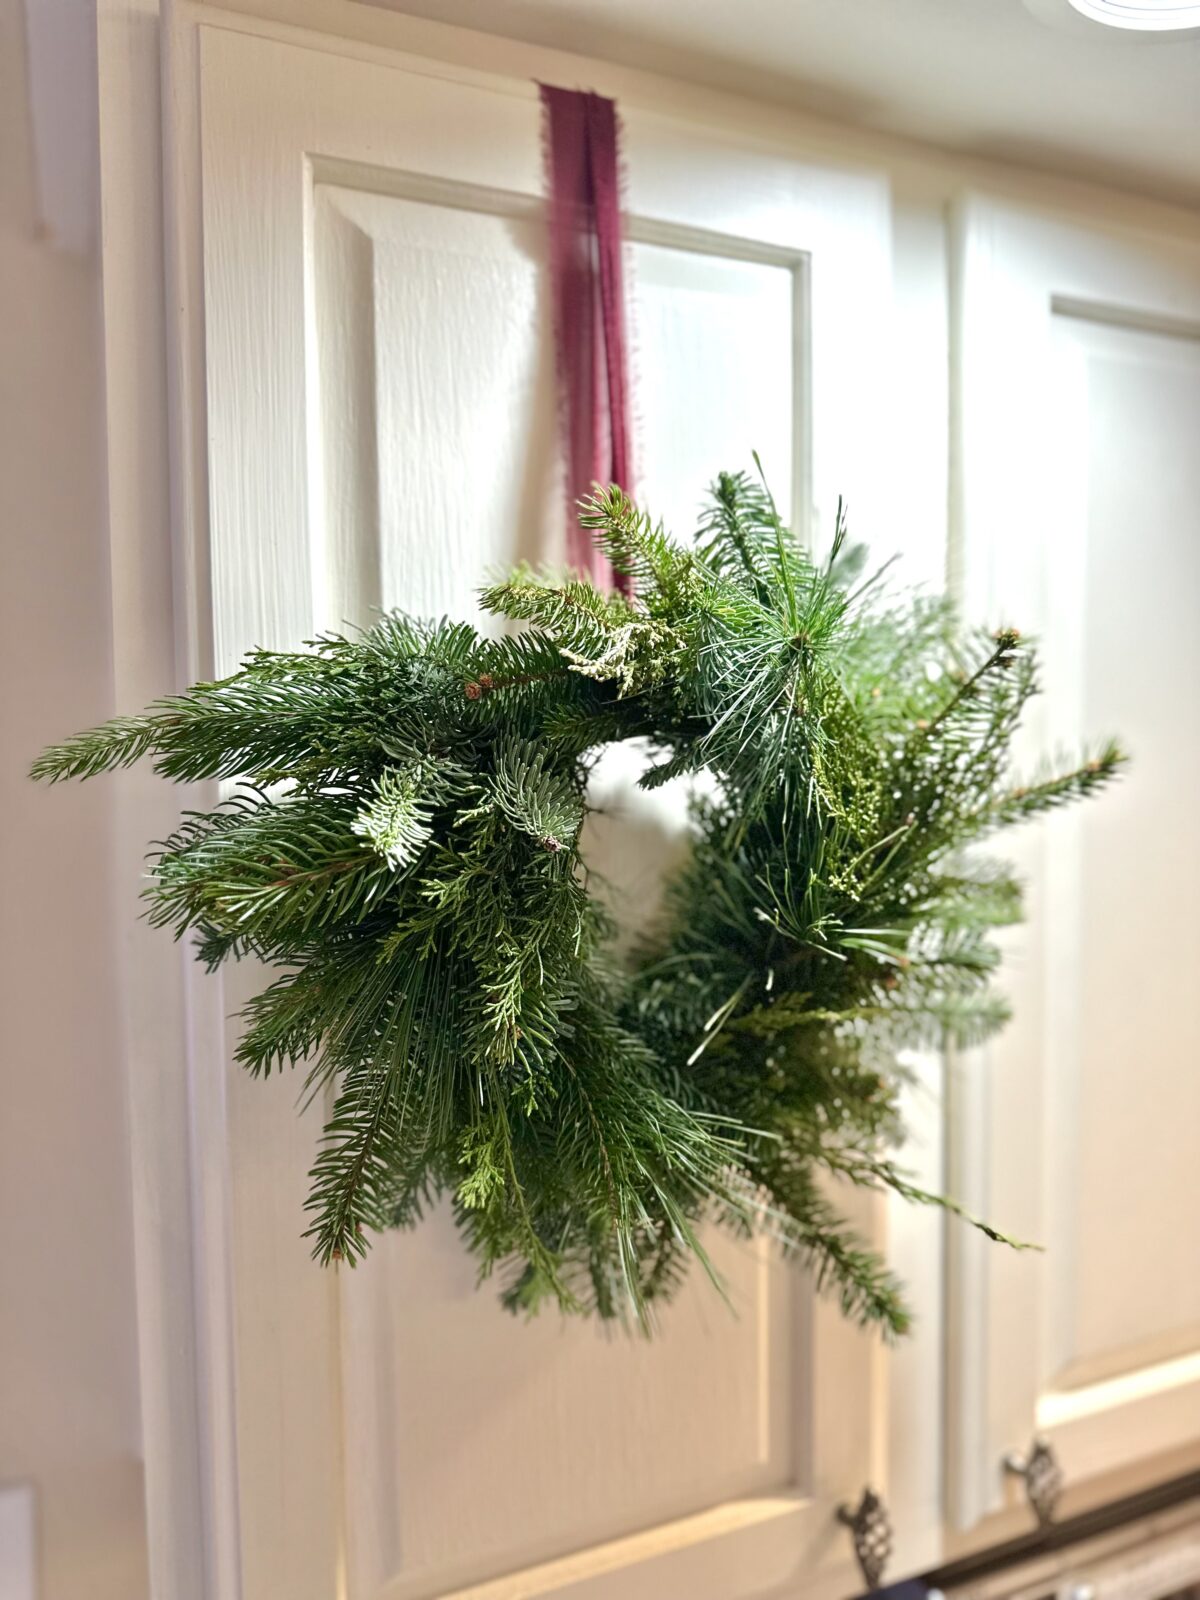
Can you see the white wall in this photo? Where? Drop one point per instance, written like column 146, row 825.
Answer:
column 69, row 1420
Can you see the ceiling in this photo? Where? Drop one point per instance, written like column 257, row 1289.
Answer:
column 984, row 78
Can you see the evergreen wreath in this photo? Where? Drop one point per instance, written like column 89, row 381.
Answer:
column 404, row 843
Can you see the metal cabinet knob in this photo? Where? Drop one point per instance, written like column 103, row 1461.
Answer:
column 1043, row 1478
column 871, row 1530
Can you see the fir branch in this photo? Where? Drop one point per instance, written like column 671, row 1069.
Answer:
column 1059, row 789
column 1002, row 657
column 406, row 847
column 397, row 819
column 119, row 743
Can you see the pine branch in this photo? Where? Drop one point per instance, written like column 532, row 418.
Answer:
column 406, row 845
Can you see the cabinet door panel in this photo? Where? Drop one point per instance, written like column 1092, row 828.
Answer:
column 1080, row 1126
column 379, row 422
column 1125, row 1197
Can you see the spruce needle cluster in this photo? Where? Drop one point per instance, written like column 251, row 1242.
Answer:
column 403, row 846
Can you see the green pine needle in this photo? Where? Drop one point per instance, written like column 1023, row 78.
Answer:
column 404, row 844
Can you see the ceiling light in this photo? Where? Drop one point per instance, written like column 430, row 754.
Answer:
column 1151, row 16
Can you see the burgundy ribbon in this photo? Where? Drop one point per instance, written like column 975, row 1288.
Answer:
column 589, row 306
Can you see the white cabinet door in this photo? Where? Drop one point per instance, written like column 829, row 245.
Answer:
column 1079, row 419
column 369, row 419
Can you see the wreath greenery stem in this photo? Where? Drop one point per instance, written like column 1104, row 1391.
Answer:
column 403, row 844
